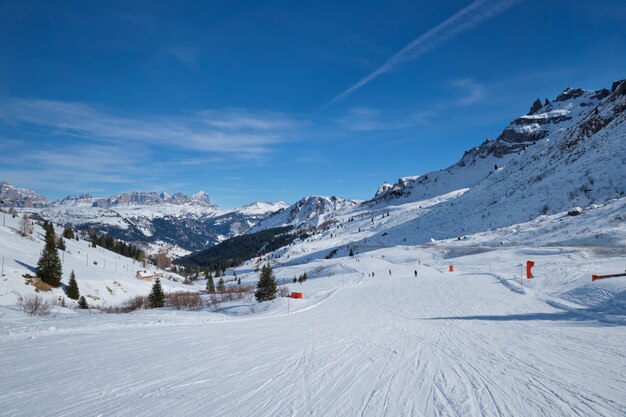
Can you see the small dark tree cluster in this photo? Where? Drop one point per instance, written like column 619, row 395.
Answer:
column 221, row 286
column 157, row 296
column 82, row 303
column 302, row 278
column 210, row 285
column 72, row 288
column 117, row 246
column 266, row 287
column 49, row 268
column 68, row 233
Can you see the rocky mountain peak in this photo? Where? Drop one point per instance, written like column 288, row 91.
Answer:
column 11, row 196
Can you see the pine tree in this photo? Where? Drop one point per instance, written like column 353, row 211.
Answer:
column 266, row 287
column 61, row 244
column 157, row 296
column 72, row 288
column 351, row 252
column 82, row 303
column 238, row 281
column 210, row 285
column 220, row 285
column 68, row 233
column 49, row 268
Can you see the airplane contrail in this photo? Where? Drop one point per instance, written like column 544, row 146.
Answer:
column 463, row 20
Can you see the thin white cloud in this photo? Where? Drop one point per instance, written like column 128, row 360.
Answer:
column 185, row 54
column 239, row 133
column 369, row 119
column 474, row 91
column 465, row 19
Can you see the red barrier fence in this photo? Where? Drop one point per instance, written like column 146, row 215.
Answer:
column 595, row 277
column 296, row 295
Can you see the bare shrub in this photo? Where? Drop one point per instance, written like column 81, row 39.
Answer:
column 136, row 303
column 39, row 285
column 34, row 305
column 284, row 292
column 184, row 300
column 163, row 260
column 213, row 302
column 26, row 227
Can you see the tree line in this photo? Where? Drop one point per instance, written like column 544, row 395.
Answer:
column 118, row 246
column 232, row 252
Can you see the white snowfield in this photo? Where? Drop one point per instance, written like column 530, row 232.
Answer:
column 473, row 342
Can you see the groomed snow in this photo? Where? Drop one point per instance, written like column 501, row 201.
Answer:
column 474, row 342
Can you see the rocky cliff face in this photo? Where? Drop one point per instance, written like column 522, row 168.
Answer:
column 11, row 196
column 575, row 113
column 135, row 198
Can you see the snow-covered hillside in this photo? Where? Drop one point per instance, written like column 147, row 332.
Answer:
column 104, row 277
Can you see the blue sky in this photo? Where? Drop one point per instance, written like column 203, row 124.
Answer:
column 275, row 100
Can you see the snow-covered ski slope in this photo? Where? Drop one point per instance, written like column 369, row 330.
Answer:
column 473, row 342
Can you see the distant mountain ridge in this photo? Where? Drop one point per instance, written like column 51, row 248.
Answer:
column 311, row 210
column 136, row 197
column 183, row 222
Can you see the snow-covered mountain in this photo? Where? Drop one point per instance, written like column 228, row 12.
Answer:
column 311, row 211
column 564, row 153
column 11, row 196
column 570, row 152
column 179, row 222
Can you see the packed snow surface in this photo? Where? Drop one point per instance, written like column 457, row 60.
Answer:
column 369, row 339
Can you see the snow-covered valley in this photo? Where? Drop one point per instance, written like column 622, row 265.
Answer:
column 416, row 303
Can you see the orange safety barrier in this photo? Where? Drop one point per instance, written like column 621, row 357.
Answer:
column 595, row 277
column 451, row 268
column 296, row 295
column 529, row 273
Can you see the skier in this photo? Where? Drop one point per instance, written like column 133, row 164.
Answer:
column 390, row 272
column 415, row 272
